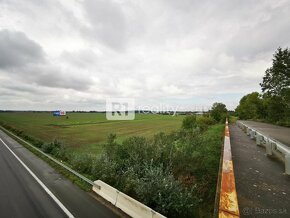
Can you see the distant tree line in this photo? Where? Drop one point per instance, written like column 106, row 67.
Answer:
column 273, row 104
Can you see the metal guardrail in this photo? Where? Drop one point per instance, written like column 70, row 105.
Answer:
column 273, row 147
column 228, row 203
column 53, row 159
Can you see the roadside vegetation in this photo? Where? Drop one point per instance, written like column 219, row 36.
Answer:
column 173, row 173
column 273, row 104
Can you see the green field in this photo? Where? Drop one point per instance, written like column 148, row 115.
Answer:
column 84, row 132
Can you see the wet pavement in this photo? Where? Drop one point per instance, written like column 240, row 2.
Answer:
column 262, row 187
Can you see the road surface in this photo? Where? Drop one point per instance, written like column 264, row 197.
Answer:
column 280, row 133
column 21, row 195
column 262, row 187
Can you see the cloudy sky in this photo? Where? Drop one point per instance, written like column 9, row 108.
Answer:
column 72, row 55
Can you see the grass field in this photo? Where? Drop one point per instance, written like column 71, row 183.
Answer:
column 84, row 132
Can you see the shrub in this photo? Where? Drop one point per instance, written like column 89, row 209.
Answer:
column 189, row 122
column 82, row 163
column 60, row 152
column 158, row 189
column 55, row 148
column 204, row 122
column 47, row 148
column 105, row 170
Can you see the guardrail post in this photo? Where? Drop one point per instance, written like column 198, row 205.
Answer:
column 252, row 134
column 248, row 130
column 269, row 147
column 287, row 164
column 244, row 128
column 259, row 139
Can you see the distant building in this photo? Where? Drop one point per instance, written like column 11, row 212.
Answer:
column 59, row 113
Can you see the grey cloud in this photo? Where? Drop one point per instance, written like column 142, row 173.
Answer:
column 17, row 50
column 23, row 59
column 107, row 21
column 268, row 30
column 60, row 80
column 17, row 87
column 48, row 75
column 81, row 58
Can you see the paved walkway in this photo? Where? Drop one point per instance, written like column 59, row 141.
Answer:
column 263, row 188
column 280, row 133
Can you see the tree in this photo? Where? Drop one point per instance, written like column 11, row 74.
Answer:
column 276, row 81
column 276, row 87
column 250, row 107
column 276, row 109
column 218, row 112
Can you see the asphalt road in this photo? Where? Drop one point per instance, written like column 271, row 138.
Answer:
column 280, row 133
column 22, row 196
column 262, row 187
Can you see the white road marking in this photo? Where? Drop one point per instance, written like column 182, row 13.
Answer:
column 65, row 210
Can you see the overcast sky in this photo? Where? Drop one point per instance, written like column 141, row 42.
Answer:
column 72, row 55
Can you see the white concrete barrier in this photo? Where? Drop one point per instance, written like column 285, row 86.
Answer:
column 124, row 202
column 106, row 191
column 273, row 147
column 133, row 207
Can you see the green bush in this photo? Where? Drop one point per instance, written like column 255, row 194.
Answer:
column 158, row 189
column 60, row 151
column 106, row 170
column 47, row 148
column 56, row 149
column 82, row 163
column 189, row 122
column 204, row 122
